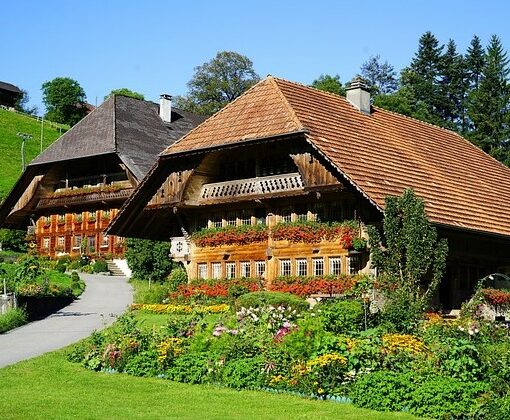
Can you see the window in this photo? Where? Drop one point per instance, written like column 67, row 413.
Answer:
column 46, row 243
column 285, row 216
column 105, row 241
column 245, row 218
column 202, row 270
column 216, row 270
column 91, row 241
column 77, row 241
column 230, row 269
column 217, row 221
column 61, row 241
column 335, row 266
column 245, row 269
column 285, row 268
column 260, row 269
column 231, row 219
column 301, row 267
column 353, row 264
column 318, row 266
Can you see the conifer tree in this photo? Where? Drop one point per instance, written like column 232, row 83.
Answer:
column 488, row 104
column 380, row 77
column 475, row 61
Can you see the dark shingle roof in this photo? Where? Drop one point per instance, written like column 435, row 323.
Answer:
column 9, row 87
column 129, row 127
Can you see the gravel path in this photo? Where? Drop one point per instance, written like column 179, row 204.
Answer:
column 105, row 298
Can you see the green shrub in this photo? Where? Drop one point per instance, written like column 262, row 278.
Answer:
column 383, row 391
column 237, row 290
column 61, row 268
column 144, row 363
column 263, row 298
column 177, row 277
column 148, row 259
column 444, row 397
column 12, row 319
column 191, row 368
column 100, row 266
column 155, row 293
column 244, row 373
column 74, row 265
column 460, row 359
column 494, row 409
column 341, row 316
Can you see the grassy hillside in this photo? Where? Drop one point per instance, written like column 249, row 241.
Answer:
column 10, row 145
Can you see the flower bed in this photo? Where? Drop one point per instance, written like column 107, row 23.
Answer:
column 89, row 190
column 230, row 235
column 215, row 288
column 306, row 286
column 181, row 309
column 496, row 297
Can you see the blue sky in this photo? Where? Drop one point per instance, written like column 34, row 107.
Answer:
column 152, row 46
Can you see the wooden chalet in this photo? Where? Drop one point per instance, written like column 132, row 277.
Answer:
column 9, row 94
column 68, row 195
column 286, row 152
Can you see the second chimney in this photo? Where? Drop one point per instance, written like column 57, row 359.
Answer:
column 165, row 107
column 358, row 95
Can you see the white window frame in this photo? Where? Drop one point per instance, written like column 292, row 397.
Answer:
column 285, row 267
column 260, row 269
column 335, row 266
column 230, row 270
column 105, row 241
column 301, row 267
column 245, row 269
column 353, row 264
column 46, row 242
column 318, row 266
column 61, row 241
column 216, row 270
column 202, row 270
column 77, row 241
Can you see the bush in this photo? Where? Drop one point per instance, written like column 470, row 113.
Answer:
column 61, row 268
column 494, row 409
column 144, row 363
column 244, row 373
column 263, row 298
column 100, row 266
column 12, row 319
column 177, row 277
column 443, row 397
column 383, row 391
column 190, row 368
column 74, row 265
column 156, row 293
column 341, row 316
column 309, row 338
column 148, row 259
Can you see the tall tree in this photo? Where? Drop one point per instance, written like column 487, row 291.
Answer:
column 218, row 82
column 489, row 103
column 125, row 92
column 64, row 99
column 423, row 75
column 22, row 104
column 328, row 83
column 381, row 77
column 475, row 62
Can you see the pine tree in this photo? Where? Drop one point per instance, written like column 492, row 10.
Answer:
column 475, row 61
column 489, row 103
column 380, row 77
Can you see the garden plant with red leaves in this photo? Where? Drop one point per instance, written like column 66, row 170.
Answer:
column 306, row 286
column 230, row 235
column 496, row 297
column 213, row 288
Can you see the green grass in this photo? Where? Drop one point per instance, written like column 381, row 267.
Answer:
column 51, row 387
column 12, row 319
column 143, row 294
column 10, row 145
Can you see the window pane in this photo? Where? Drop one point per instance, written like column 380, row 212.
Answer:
column 260, row 269
column 301, row 267
column 318, row 266
column 335, row 266
column 202, row 270
column 216, row 270
column 230, row 269
column 245, row 269
column 353, row 264
column 285, row 268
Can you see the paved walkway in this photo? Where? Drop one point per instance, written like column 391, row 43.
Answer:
column 105, row 298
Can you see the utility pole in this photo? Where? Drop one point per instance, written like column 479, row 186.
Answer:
column 23, row 137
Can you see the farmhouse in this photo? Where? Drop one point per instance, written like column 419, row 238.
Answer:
column 284, row 152
column 69, row 194
column 9, row 94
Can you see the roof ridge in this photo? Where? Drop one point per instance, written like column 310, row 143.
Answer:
column 289, row 107
column 208, row 119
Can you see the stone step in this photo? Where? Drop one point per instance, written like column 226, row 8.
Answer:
column 114, row 270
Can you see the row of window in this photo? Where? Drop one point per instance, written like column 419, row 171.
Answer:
column 319, row 266
column 78, row 217
column 77, row 241
column 333, row 211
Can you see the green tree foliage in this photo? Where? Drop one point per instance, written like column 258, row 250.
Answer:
column 125, row 92
column 218, row 82
column 13, row 240
column 488, row 105
column 409, row 256
column 22, row 104
column 64, row 99
column 475, row 62
column 148, row 259
column 380, row 77
column 328, row 83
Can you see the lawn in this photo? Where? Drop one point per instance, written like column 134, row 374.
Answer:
column 51, row 387
column 10, row 145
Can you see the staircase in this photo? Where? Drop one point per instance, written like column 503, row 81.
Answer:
column 114, row 269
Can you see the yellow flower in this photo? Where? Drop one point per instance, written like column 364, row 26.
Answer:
column 394, row 343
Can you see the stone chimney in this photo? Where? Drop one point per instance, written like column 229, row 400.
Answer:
column 358, row 95
column 165, row 107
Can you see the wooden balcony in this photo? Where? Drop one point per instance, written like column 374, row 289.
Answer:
column 252, row 188
column 85, row 198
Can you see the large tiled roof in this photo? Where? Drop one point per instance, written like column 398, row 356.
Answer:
column 381, row 154
column 129, row 127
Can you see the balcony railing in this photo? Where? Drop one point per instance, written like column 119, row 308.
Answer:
column 252, row 186
column 90, row 197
